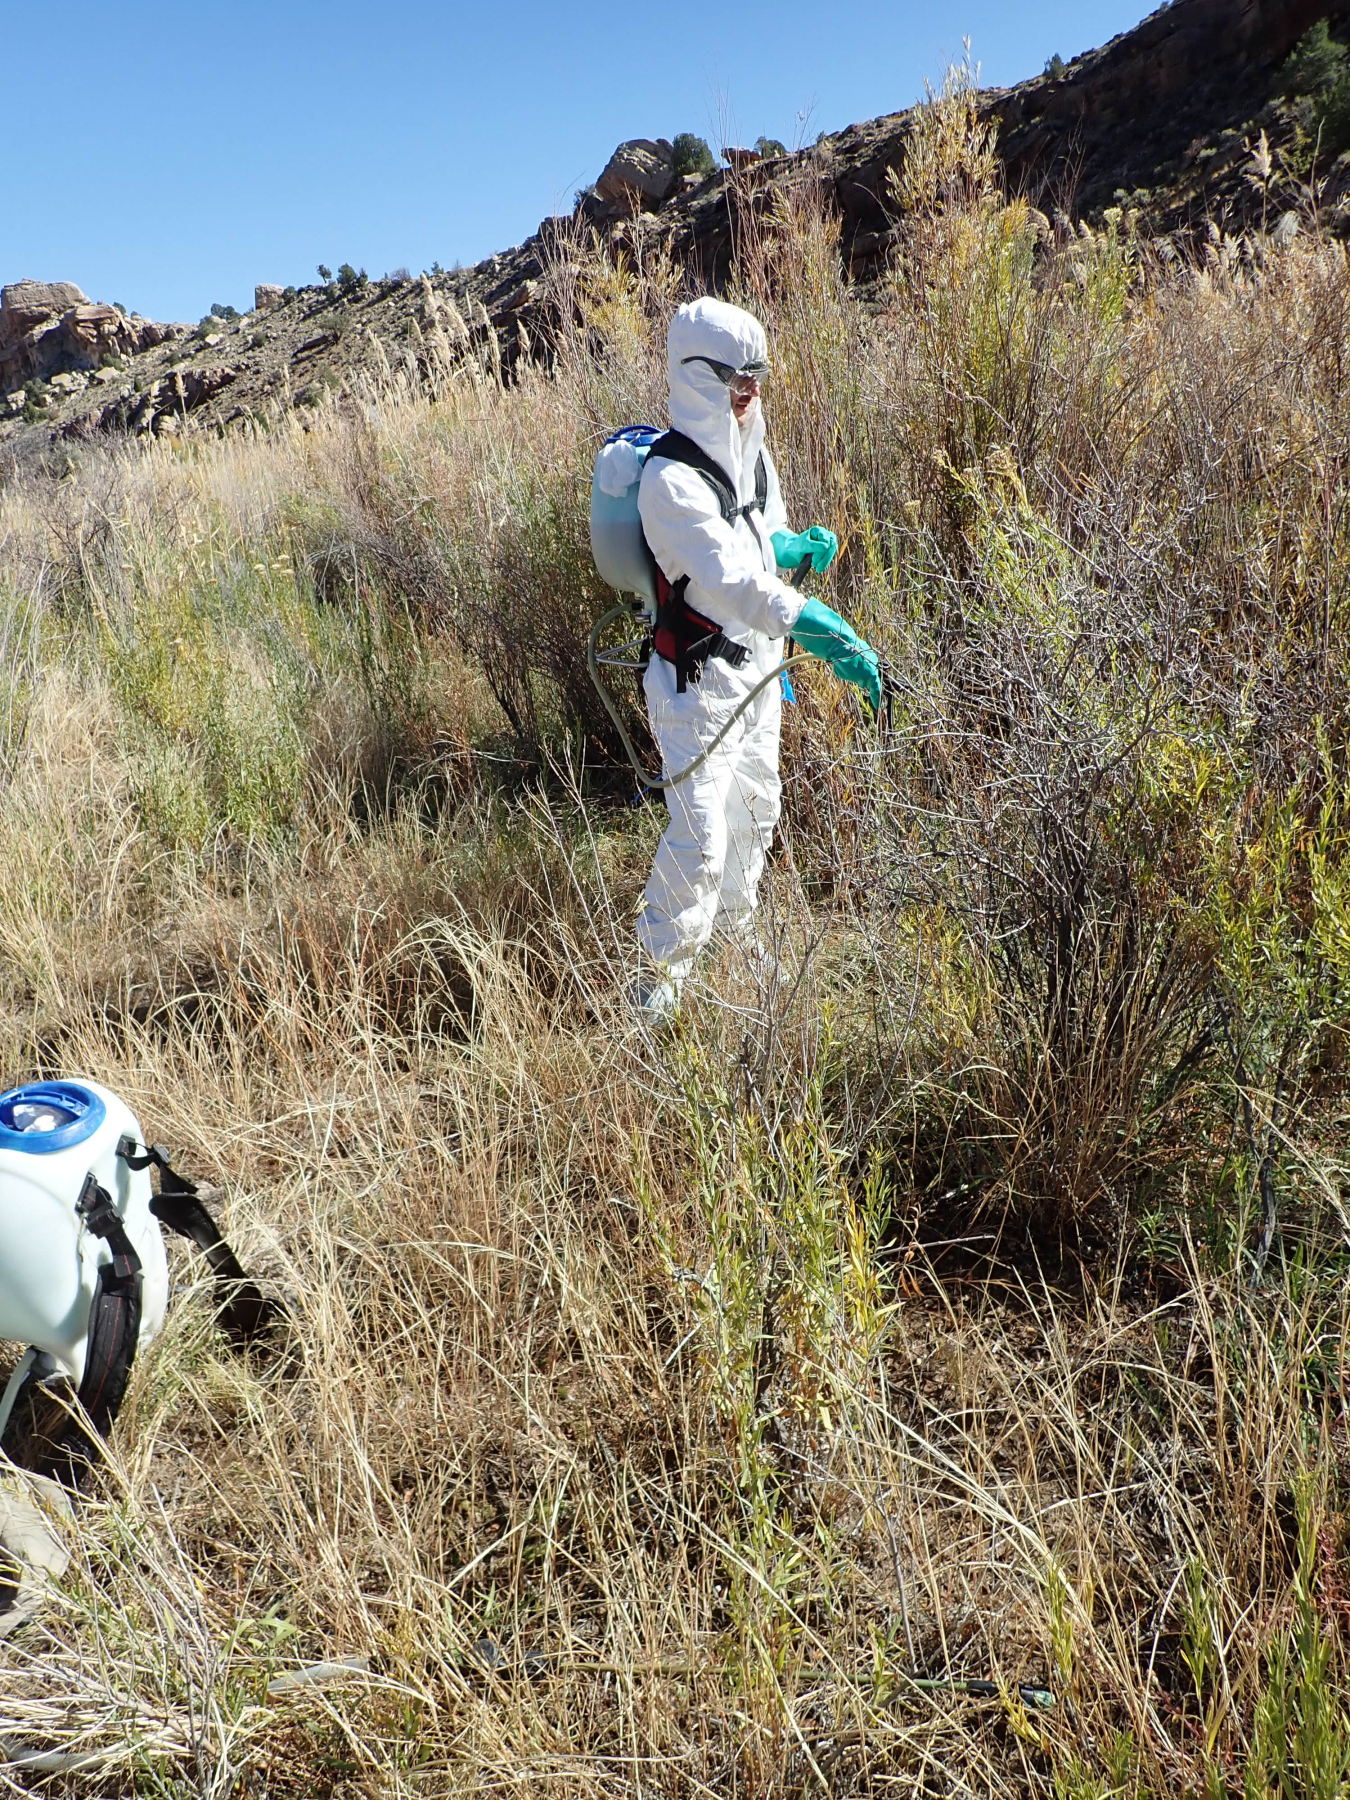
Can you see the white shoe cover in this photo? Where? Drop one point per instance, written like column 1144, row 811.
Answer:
column 656, row 999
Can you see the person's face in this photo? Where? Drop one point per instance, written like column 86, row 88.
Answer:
column 744, row 392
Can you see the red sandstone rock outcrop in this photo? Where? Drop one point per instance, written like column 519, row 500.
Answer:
column 51, row 327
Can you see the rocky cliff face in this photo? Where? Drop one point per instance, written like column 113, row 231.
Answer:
column 1137, row 112
column 50, row 328
column 1161, row 118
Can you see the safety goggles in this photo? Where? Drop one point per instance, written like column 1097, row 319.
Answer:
column 742, row 382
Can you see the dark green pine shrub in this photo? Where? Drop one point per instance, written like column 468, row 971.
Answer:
column 692, row 155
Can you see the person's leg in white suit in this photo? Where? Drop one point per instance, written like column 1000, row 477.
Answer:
column 753, row 802
column 711, row 857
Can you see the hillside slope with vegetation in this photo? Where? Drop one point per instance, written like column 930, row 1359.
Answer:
column 968, row 1304
column 1161, row 124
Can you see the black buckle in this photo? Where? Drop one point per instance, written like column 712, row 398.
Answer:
column 155, row 1157
column 95, row 1207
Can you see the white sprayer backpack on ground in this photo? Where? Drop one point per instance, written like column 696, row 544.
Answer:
column 84, row 1280
column 58, row 1141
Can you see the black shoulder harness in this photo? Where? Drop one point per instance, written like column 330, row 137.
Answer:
column 682, row 636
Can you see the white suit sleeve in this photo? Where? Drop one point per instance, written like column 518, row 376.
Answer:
column 688, row 536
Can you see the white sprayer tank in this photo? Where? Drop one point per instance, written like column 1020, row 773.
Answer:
column 52, row 1135
column 617, row 543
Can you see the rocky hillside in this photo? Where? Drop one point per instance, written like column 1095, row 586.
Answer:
column 1162, row 119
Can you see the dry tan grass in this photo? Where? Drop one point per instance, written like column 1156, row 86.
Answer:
column 655, row 1418
column 530, row 1262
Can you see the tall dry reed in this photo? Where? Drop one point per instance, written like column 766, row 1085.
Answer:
column 685, row 1417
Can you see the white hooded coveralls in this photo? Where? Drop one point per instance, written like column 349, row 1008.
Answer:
column 722, row 817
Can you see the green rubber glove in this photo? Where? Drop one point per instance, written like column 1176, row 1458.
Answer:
column 816, row 545
column 834, row 641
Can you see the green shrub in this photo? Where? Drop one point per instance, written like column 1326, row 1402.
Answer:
column 1301, row 1733
column 1317, row 79
column 692, row 155
column 1334, row 118
column 1315, row 64
column 170, row 791
column 768, row 146
column 1054, row 67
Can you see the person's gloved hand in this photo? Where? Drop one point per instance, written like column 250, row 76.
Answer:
column 815, row 545
column 831, row 638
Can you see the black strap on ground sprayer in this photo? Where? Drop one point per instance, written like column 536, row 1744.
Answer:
column 47, row 1435
column 243, row 1309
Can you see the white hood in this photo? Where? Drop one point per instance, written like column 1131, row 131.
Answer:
column 700, row 406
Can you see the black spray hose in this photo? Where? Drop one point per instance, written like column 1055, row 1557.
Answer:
column 655, row 783
column 1037, row 1697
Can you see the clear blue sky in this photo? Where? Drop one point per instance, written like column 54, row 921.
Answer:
column 168, row 156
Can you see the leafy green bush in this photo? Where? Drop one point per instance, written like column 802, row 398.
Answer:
column 1301, row 1736
column 768, row 146
column 692, row 155
column 1317, row 79
column 1334, row 118
column 1315, row 63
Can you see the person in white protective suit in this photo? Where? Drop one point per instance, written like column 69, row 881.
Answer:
column 724, row 613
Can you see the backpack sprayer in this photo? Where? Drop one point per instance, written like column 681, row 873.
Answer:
column 84, row 1280
column 624, row 559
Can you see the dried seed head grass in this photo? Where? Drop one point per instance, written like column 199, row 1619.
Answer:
column 963, row 1300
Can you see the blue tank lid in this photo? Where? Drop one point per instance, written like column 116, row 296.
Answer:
column 635, row 434
column 48, row 1115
